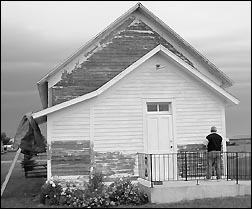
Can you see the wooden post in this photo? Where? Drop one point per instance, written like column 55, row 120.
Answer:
column 10, row 172
column 49, row 163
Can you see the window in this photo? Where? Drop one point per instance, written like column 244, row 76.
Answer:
column 162, row 107
column 152, row 108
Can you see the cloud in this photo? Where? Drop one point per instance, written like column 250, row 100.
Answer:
column 230, row 52
column 37, row 36
column 20, row 44
column 18, row 93
column 238, row 116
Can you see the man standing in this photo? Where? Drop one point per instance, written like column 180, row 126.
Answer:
column 214, row 146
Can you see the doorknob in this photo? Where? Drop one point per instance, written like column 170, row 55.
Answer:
column 171, row 146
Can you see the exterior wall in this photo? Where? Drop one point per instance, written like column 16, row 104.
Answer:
column 70, row 123
column 118, row 113
column 71, row 157
column 118, row 50
column 68, row 133
column 131, row 40
column 199, row 64
column 114, row 121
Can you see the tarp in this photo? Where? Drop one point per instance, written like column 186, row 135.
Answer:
column 28, row 136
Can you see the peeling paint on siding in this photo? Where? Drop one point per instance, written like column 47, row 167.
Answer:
column 191, row 148
column 114, row 164
column 141, row 31
column 70, row 157
column 110, row 56
column 73, row 160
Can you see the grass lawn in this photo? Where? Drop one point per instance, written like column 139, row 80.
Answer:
column 5, row 166
column 222, row 202
column 9, row 156
column 20, row 191
column 4, row 170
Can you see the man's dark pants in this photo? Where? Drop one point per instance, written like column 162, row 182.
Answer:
column 214, row 157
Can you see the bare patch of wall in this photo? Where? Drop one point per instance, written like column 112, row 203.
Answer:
column 114, row 164
column 71, row 157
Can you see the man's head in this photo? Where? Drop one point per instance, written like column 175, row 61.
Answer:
column 213, row 129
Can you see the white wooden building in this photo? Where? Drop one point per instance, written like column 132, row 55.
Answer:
column 135, row 87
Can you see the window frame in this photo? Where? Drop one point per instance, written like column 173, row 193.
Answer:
column 158, row 108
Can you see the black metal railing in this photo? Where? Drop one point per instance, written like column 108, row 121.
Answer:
column 192, row 166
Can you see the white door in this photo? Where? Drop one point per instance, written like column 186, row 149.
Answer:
column 160, row 137
column 160, row 145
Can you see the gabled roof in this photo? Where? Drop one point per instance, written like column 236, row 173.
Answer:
column 202, row 78
column 130, row 23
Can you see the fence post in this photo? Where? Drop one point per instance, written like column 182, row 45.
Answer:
column 227, row 166
column 186, row 166
column 151, row 170
column 237, row 170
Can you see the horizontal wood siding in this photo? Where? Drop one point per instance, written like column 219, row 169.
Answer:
column 69, row 136
column 114, row 121
column 71, row 157
column 116, row 125
column 118, row 113
column 199, row 64
column 119, row 49
column 71, row 123
column 114, row 163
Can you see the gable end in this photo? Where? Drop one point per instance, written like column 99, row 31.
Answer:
column 110, row 56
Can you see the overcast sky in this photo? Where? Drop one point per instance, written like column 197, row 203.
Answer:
column 37, row 36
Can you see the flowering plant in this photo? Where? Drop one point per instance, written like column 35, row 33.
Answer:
column 50, row 193
column 96, row 194
column 123, row 192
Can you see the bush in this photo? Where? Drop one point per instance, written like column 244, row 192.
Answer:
column 95, row 182
column 50, row 193
column 123, row 192
column 72, row 197
column 96, row 194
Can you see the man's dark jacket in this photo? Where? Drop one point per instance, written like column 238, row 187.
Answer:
column 214, row 142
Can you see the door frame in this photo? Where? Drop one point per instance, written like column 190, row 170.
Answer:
column 145, row 113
